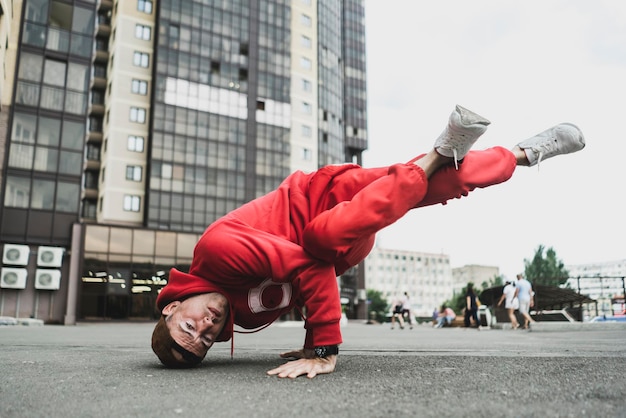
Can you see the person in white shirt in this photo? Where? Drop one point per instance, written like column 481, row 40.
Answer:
column 511, row 302
column 525, row 295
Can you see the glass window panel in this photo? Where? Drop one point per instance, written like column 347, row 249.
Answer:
column 97, row 238
column 42, row 196
column 49, row 131
column 81, row 45
column 165, row 244
column 60, row 15
column 34, row 34
column 67, row 197
column 83, row 21
column 17, row 192
column 27, row 93
column 73, row 135
column 132, row 203
column 46, row 159
column 37, row 11
column 143, row 242
column 186, row 244
column 58, row 40
column 54, row 73
column 24, row 128
column 21, row 156
column 71, row 163
column 144, row 6
column 75, row 103
column 121, row 240
column 30, row 67
column 77, row 77
column 52, row 98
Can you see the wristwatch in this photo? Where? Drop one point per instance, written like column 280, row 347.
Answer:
column 323, row 351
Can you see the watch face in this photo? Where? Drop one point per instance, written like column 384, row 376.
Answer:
column 320, row 351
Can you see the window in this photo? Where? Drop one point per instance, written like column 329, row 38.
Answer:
column 143, row 32
column 132, row 203
column 141, row 59
column 137, row 114
column 306, row 154
column 17, row 192
column 166, row 171
column 306, row 131
column 305, row 41
column 305, row 20
column 307, row 108
column 135, row 143
column 133, row 172
column 139, row 87
column 305, row 63
column 144, row 6
column 306, row 85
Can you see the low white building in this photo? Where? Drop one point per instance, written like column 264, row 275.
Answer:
column 426, row 277
column 603, row 281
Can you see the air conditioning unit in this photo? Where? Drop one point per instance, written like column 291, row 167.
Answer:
column 47, row 279
column 15, row 255
column 50, row 256
column 13, row 278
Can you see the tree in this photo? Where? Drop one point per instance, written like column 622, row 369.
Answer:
column 549, row 271
column 377, row 305
column 496, row 280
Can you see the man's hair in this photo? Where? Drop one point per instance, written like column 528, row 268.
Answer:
column 164, row 346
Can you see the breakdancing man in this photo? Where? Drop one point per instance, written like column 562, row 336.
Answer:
column 284, row 250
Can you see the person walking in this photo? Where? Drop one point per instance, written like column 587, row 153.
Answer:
column 407, row 310
column 471, row 307
column 397, row 313
column 526, row 297
column 511, row 302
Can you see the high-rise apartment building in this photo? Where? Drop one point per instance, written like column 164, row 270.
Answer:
column 127, row 127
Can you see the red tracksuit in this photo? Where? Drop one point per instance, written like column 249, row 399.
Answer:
column 286, row 248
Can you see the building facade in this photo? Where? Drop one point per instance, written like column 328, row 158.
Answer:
column 473, row 273
column 128, row 127
column 425, row 277
column 603, row 281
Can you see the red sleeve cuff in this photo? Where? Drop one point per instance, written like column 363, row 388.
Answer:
column 326, row 334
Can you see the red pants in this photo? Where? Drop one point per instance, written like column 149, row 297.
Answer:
column 361, row 202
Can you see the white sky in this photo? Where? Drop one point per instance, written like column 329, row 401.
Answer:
column 525, row 66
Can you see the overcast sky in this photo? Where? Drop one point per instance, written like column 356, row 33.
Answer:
column 525, row 66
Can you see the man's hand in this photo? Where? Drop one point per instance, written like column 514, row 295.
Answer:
column 306, row 363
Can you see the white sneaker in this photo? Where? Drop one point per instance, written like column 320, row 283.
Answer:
column 564, row 138
column 463, row 129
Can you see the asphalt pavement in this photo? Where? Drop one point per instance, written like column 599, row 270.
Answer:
column 108, row 370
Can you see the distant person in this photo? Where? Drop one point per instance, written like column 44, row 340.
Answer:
column 526, row 296
column 445, row 317
column 511, row 302
column 284, row 250
column 406, row 309
column 471, row 307
column 435, row 316
column 397, row 313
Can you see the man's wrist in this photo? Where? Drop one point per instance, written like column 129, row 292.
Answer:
column 323, row 351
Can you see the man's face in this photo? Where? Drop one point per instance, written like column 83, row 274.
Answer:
column 196, row 322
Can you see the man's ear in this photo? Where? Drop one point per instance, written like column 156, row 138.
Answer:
column 170, row 307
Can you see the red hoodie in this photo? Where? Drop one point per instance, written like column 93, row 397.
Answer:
column 286, row 248
column 254, row 256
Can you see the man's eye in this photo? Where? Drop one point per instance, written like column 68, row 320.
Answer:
column 189, row 326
